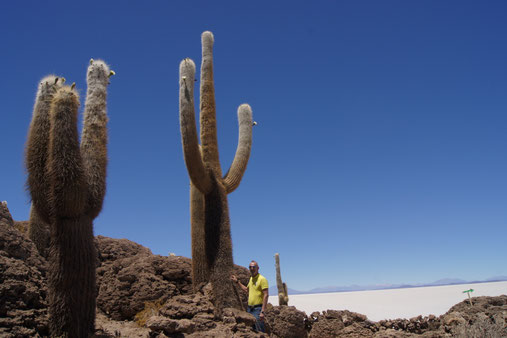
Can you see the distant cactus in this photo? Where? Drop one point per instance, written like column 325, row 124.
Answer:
column 283, row 296
column 67, row 185
column 211, row 236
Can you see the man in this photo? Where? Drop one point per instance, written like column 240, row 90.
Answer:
column 258, row 294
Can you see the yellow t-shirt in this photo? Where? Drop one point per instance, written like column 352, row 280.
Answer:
column 255, row 286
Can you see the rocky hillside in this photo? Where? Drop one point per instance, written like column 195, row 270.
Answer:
column 146, row 295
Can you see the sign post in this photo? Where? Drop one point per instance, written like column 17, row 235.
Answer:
column 468, row 293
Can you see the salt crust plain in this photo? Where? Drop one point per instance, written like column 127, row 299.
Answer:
column 394, row 303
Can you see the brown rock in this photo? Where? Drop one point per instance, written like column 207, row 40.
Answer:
column 240, row 316
column 325, row 327
column 487, row 317
column 186, row 306
column 286, row 321
column 23, row 292
column 106, row 327
column 345, row 323
column 129, row 276
column 5, row 215
column 170, row 326
column 111, row 249
column 454, row 318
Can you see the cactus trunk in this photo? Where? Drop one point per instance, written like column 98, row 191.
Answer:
column 72, row 278
column 219, row 248
column 200, row 269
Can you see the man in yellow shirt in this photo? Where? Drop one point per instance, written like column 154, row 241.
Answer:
column 258, row 294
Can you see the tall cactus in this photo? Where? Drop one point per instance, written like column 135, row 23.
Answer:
column 283, row 297
column 67, row 185
column 211, row 235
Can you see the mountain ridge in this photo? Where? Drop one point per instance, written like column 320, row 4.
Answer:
column 441, row 282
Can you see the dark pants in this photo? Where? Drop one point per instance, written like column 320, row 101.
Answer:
column 256, row 311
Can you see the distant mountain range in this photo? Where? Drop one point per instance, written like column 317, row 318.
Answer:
column 446, row 281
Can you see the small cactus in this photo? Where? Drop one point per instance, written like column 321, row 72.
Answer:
column 283, row 296
column 66, row 181
column 211, row 236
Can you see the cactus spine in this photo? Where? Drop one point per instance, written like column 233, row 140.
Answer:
column 211, row 237
column 67, row 185
column 283, row 297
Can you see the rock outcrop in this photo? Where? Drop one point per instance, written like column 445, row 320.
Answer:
column 23, row 291
column 146, row 295
column 129, row 276
column 286, row 321
column 193, row 315
column 486, row 318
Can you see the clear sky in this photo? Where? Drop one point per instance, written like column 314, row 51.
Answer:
column 380, row 154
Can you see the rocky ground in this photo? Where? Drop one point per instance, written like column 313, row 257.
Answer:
column 146, row 295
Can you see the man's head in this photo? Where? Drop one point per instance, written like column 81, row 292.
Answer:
column 254, row 268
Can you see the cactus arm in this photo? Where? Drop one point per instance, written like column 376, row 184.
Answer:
column 64, row 166
column 94, row 135
column 37, row 146
column 208, row 108
column 285, row 294
column 193, row 160
column 238, row 167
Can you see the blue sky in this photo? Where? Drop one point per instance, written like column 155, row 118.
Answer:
column 380, row 150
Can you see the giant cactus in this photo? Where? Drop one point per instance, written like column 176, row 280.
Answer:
column 67, row 185
column 211, row 236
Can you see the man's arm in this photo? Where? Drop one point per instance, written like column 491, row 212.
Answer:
column 264, row 302
column 235, row 279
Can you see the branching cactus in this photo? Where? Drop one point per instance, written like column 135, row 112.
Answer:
column 66, row 181
column 211, row 235
column 283, row 297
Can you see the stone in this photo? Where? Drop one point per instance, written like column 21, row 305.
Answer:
column 286, row 321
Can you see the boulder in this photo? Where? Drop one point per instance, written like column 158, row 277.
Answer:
column 286, row 321
column 332, row 323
